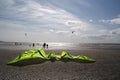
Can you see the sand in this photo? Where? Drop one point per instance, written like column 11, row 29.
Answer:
column 106, row 67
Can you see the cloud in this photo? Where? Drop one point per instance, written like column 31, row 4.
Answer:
column 62, row 32
column 5, row 24
column 38, row 16
column 112, row 21
column 51, row 30
column 115, row 21
column 32, row 17
column 90, row 20
column 105, row 36
column 115, row 31
column 46, row 22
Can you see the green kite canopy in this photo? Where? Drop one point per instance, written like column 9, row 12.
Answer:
column 39, row 56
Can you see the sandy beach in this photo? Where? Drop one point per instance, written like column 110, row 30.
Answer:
column 81, row 39
column 106, row 67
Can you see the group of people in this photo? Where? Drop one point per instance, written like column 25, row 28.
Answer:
column 45, row 45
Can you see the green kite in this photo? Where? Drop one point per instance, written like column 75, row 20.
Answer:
column 39, row 56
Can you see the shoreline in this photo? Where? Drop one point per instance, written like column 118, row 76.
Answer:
column 58, row 46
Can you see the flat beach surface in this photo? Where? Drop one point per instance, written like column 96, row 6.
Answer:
column 106, row 67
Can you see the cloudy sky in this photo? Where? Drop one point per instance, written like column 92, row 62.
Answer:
column 54, row 21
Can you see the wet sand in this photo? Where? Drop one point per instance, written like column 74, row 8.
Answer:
column 106, row 67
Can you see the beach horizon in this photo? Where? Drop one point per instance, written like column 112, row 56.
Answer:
column 58, row 45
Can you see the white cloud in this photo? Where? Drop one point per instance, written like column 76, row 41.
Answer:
column 105, row 36
column 104, row 21
column 112, row 21
column 39, row 16
column 11, row 25
column 90, row 20
column 51, row 30
column 46, row 23
column 115, row 21
column 115, row 31
column 73, row 23
column 62, row 31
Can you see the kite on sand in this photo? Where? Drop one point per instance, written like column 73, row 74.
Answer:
column 39, row 56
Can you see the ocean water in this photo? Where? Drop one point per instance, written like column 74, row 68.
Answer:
column 63, row 46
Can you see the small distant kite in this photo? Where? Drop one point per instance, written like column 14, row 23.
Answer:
column 73, row 32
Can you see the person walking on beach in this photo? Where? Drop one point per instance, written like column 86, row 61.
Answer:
column 33, row 44
column 44, row 44
column 47, row 45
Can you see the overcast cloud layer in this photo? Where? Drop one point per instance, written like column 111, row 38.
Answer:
column 48, row 21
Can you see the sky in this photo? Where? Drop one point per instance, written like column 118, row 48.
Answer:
column 72, row 21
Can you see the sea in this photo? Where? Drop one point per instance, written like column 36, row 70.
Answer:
column 58, row 45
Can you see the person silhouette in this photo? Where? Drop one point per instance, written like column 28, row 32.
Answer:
column 33, row 44
column 44, row 44
column 47, row 45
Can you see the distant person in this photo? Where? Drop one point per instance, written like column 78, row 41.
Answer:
column 33, row 44
column 47, row 45
column 44, row 44
column 16, row 43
